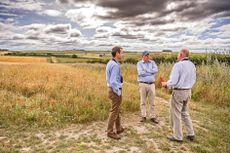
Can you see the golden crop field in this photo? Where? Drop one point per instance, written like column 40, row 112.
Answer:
column 76, row 94
column 18, row 59
column 44, row 96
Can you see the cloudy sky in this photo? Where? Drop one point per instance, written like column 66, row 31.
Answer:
column 101, row 24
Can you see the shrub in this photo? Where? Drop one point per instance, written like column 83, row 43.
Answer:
column 74, row 56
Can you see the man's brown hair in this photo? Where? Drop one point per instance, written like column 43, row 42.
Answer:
column 115, row 50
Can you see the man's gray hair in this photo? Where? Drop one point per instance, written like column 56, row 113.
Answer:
column 185, row 52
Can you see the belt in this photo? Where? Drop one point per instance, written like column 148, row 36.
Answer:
column 119, row 88
column 181, row 88
column 147, row 82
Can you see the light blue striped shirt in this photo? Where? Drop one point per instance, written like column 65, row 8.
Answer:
column 146, row 71
column 113, row 76
column 183, row 75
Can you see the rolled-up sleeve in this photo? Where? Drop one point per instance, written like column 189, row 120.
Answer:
column 115, row 80
column 140, row 70
column 153, row 69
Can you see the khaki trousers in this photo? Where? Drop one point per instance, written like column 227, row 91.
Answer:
column 147, row 91
column 179, row 112
column 114, row 117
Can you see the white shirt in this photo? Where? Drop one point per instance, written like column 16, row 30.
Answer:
column 183, row 75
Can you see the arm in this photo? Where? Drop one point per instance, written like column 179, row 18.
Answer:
column 142, row 71
column 174, row 76
column 114, row 80
column 194, row 76
column 154, row 68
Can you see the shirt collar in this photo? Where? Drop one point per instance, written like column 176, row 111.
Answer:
column 184, row 59
column 115, row 60
column 144, row 61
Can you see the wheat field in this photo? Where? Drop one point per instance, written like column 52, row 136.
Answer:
column 47, row 94
column 47, row 97
column 17, row 59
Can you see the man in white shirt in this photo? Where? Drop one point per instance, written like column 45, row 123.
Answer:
column 182, row 79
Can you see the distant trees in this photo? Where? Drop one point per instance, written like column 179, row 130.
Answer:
column 167, row 50
column 4, row 49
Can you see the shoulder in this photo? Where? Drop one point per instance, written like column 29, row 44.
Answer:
column 190, row 63
column 152, row 61
column 111, row 64
column 177, row 65
column 140, row 62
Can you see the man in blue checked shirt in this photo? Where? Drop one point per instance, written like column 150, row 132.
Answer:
column 114, row 82
column 147, row 69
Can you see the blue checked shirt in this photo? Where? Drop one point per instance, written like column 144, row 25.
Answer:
column 113, row 76
column 183, row 75
column 146, row 71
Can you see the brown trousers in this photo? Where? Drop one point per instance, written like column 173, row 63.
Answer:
column 114, row 117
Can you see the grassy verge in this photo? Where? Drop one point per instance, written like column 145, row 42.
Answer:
column 211, row 126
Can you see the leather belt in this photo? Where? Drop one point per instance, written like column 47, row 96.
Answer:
column 181, row 89
column 147, row 82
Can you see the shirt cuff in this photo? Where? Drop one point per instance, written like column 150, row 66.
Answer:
column 117, row 91
column 169, row 85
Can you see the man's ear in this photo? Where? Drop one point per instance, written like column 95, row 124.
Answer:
column 181, row 54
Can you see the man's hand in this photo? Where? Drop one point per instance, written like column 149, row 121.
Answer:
column 164, row 84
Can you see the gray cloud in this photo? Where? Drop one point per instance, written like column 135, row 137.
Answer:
column 33, row 37
column 153, row 12
column 75, row 33
column 58, row 29
column 132, row 10
column 62, row 1
column 70, row 1
column 106, row 45
column 128, row 36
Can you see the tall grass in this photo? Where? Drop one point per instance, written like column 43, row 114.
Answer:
column 212, row 84
column 55, row 94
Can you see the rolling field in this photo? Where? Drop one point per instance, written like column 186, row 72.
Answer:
column 37, row 99
column 16, row 59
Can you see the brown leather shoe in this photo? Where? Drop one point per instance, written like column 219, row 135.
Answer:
column 121, row 130
column 171, row 138
column 143, row 119
column 190, row 137
column 113, row 136
column 154, row 120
